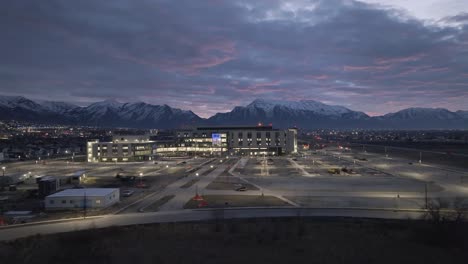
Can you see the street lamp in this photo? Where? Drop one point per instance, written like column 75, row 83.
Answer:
column 196, row 174
column 3, row 178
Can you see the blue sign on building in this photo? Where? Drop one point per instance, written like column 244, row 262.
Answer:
column 216, row 139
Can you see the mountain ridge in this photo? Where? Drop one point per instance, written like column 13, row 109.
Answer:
column 281, row 113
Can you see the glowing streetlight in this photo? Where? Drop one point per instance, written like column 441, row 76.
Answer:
column 3, row 169
column 196, row 174
column 211, row 166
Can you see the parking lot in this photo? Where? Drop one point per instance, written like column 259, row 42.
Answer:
column 138, row 179
column 339, row 179
column 329, row 178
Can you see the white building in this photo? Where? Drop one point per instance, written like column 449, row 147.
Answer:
column 122, row 148
column 243, row 140
column 75, row 198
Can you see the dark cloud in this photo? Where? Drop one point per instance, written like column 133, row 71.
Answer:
column 212, row 55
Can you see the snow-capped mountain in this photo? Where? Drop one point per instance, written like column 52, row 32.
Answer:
column 463, row 114
column 19, row 102
column 109, row 113
column 423, row 118
column 58, row 107
column 304, row 105
column 421, row 113
column 304, row 114
column 23, row 109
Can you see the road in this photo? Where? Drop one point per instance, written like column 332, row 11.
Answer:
column 158, row 192
column 19, row 231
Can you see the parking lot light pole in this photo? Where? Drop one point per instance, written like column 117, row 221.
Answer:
column 3, row 177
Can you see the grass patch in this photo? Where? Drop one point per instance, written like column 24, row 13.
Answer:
column 263, row 240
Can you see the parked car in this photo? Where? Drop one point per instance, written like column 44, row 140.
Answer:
column 241, row 189
column 127, row 193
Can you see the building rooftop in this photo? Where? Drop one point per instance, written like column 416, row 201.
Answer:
column 83, row 192
column 237, row 128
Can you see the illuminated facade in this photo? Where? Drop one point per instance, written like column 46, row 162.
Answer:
column 122, row 148
column 257, row 140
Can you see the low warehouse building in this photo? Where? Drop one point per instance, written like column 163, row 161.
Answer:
column 91, row 198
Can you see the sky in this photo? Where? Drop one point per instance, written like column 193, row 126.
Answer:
column 208, row 56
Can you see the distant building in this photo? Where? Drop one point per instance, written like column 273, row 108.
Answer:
column 121, row 148
column 229, row 140
column 236, row 140
column 91, row 198
column 47, row 185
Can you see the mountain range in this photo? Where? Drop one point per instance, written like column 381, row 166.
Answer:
column 307, row 114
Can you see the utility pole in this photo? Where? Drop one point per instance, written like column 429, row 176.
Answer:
column 3, row 178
